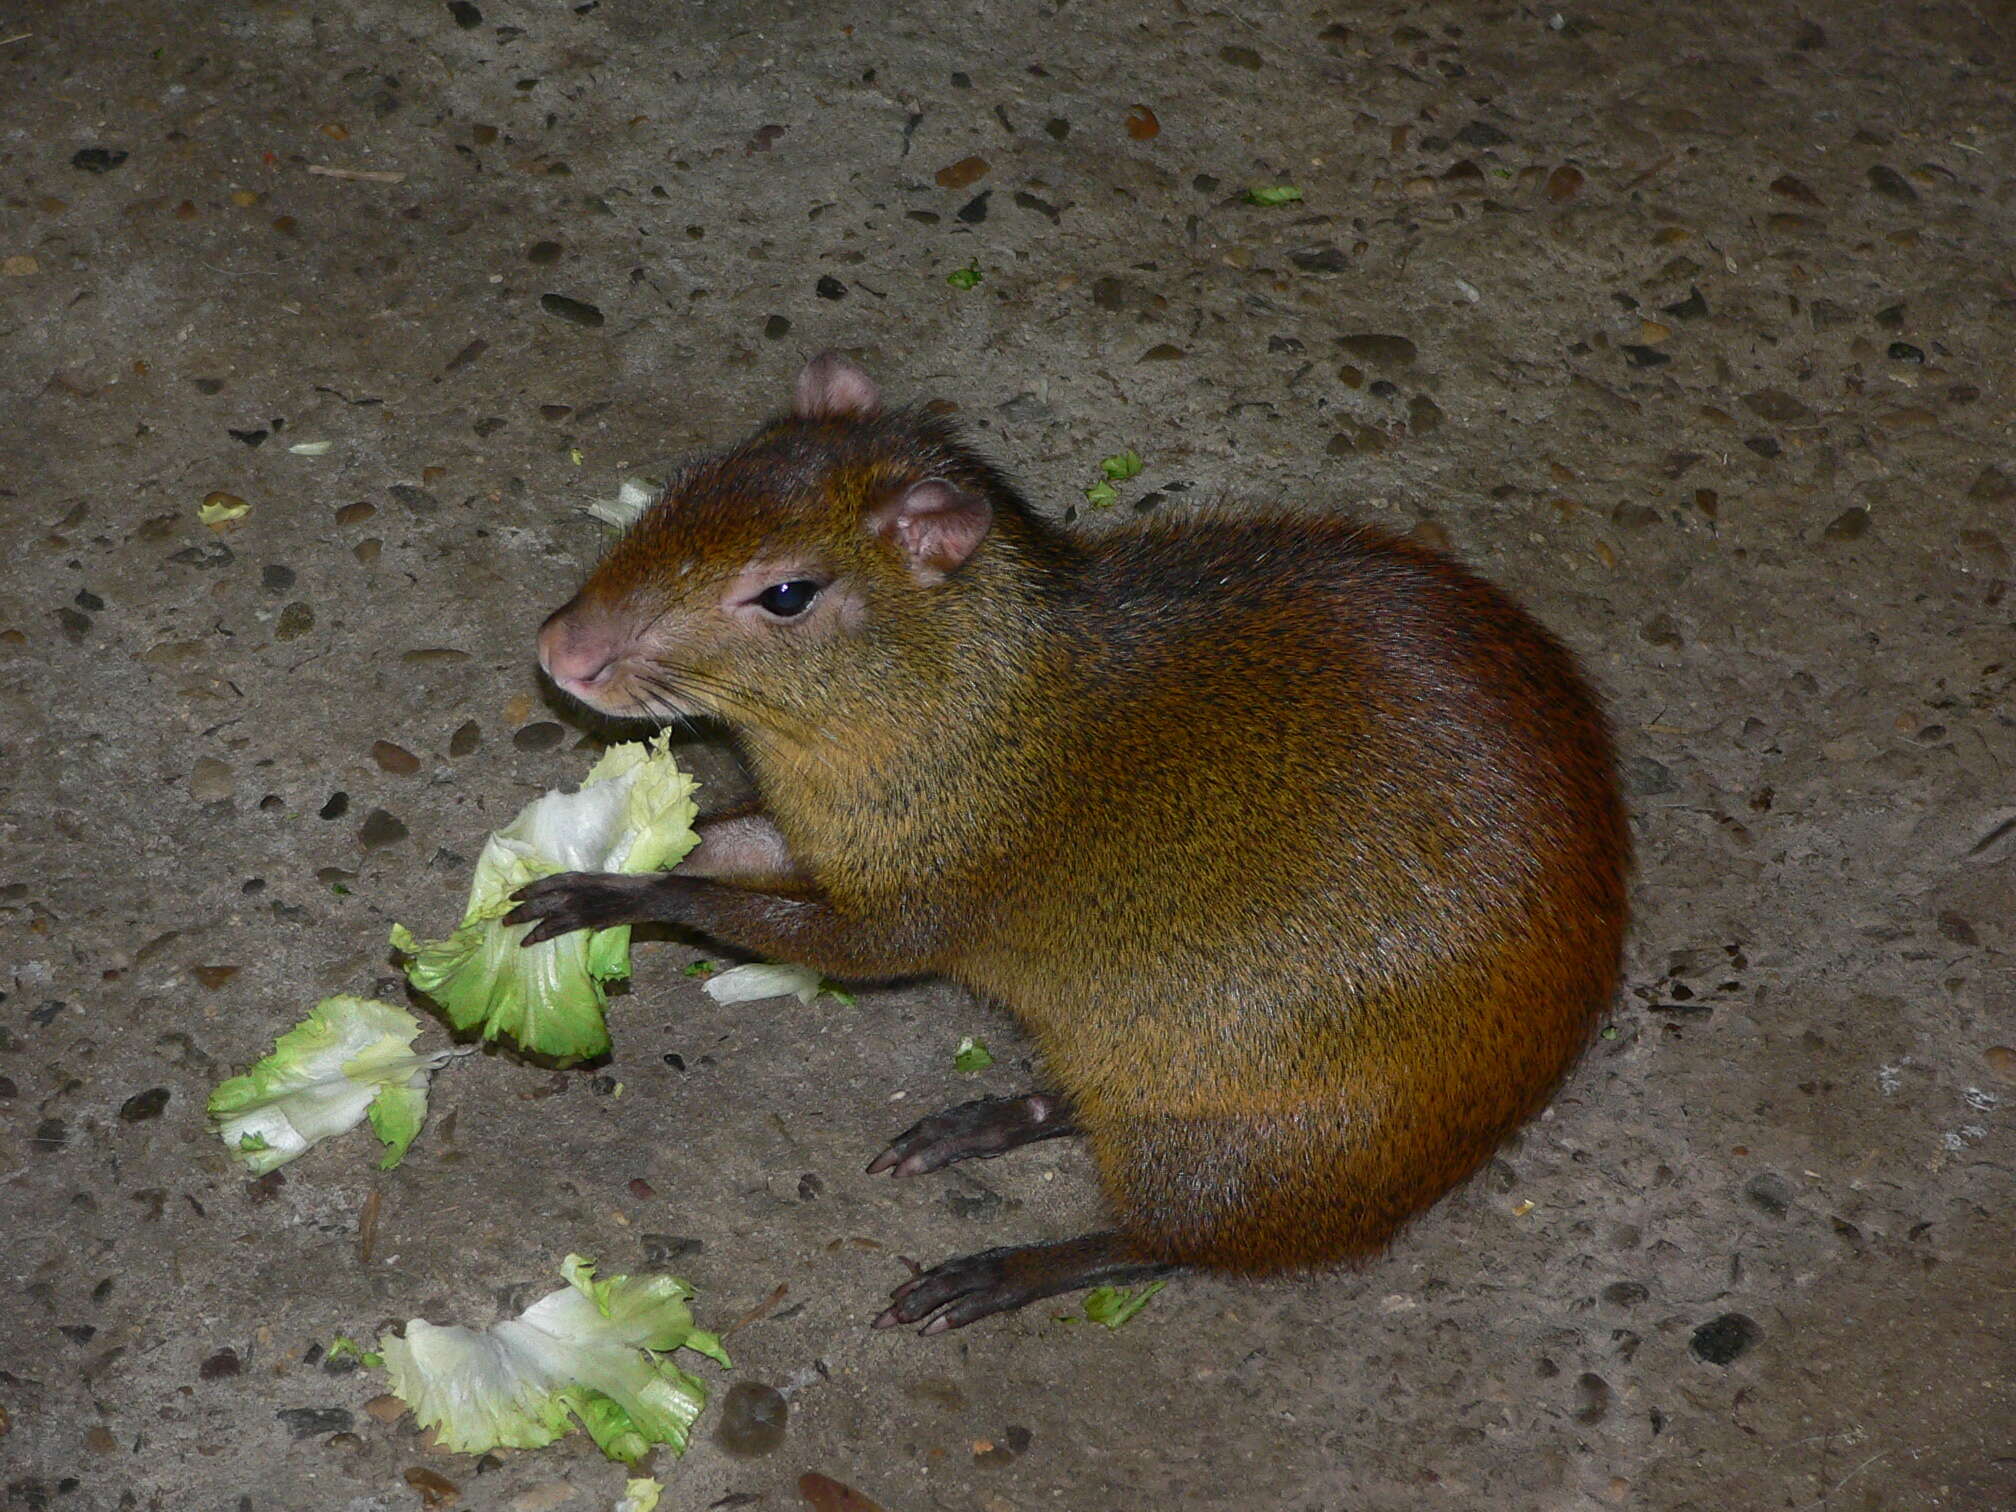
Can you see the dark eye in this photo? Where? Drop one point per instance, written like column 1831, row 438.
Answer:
column 789, row 600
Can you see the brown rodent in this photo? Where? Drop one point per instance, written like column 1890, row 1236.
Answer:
column 1296, row 847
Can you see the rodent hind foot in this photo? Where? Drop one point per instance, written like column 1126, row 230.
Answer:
column 972, row 1287
column 977, row 1131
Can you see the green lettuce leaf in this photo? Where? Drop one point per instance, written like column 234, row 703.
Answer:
column 1122, row 466
column 343, row 1346
column 349, row 1059
column 640, row 1496
column 634, row 813
column 592, row 1351
column 1114, row 1305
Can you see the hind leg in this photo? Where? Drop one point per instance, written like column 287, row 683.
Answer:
column 977, row 1130
column 999, row 1280
column 1294, row 1189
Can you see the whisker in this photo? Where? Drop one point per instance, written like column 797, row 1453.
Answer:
column 664, row 695
column 729, row 691
column 665, row 683
column 666, row 714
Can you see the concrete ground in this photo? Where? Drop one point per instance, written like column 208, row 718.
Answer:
column 1690, row 324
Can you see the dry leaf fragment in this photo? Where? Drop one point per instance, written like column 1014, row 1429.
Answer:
column 824, row 1494
column 968, row 170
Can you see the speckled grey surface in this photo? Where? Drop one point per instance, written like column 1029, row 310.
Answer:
column 1707, row 313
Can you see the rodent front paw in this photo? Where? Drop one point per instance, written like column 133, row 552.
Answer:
column 582, row 900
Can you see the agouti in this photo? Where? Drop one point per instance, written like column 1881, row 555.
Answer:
column 1296, row 847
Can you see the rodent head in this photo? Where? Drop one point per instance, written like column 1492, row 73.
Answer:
column 775, row 574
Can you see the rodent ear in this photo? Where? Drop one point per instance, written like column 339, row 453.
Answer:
column 832, row 388
column 937, row 526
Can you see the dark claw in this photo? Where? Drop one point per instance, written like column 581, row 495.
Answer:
column 549, row 929
column 968, row 1289
column 581, row 900
column 996, row 1280
column 976, row 1131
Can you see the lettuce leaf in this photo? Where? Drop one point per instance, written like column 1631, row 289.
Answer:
column 1114, row 1305
column 972, row 1055
column 592, row 1351
column 633, row 498
column 633, row 813
column 764, row 979
column 348, row 1060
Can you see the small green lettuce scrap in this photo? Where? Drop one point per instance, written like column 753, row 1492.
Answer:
column 593, row 1351
column 967, row 277
column 1114, row 1305
column 1274, row 194
column 640, row 1496
column 1117, row 468
column 344, row 1347
column 972, row 1055
column 634, row 813
column 348, row 1060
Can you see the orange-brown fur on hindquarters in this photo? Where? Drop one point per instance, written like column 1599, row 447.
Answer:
column 1297, row 847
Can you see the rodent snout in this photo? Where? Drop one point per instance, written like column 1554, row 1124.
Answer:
column 577, row 652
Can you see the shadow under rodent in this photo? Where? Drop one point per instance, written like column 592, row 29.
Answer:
column 1297, row 847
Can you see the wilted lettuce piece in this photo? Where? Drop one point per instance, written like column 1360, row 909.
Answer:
column 220, row 509
column 1274, row 194
column 640, row 1496
column 350, row 1059
column 593, row 1351
column 1122, row 466
column 634, row 813
column 972, row 1055
column 761, row 979
column 632, row 498
column 1114, row 1305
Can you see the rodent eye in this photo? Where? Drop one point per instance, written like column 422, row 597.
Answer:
column 789, row 600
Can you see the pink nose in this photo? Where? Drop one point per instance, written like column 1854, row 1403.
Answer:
column 578, row 649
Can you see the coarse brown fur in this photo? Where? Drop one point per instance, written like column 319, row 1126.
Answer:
column 1297, row 847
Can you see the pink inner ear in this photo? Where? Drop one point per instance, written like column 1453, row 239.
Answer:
column 832, row 388
column 937, row 526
